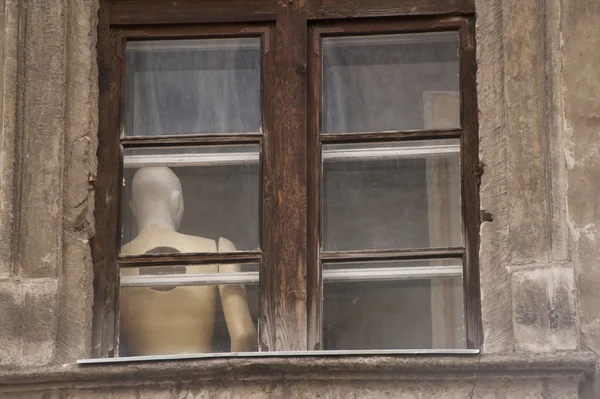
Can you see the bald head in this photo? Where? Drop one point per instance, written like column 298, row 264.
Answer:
column 156, row 192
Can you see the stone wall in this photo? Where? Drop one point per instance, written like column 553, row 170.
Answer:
column 47, row 152
column 527, row 276
column 539, row 116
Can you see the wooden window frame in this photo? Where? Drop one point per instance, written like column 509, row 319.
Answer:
column 290, row 31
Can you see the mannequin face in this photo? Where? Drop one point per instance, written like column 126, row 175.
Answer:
column 157, row 197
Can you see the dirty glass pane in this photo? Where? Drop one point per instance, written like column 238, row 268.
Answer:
column 168, row 310
column 190, row 199
column 391, row 82
column 198, row 86
column 391, row 195
column 393, row 305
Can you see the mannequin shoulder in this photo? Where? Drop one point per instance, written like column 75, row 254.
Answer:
column 168, row 238
column 197, row 244
column 225, row 245
column 128, row 249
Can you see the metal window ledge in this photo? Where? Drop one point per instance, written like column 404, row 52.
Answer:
column 380, row 352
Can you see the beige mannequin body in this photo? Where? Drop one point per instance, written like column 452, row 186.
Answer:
column 178, row 320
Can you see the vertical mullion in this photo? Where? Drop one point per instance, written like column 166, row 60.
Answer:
column 470, row 177
column 266, row 319
column 284, row 312
column 105, row 243
column 315, row 290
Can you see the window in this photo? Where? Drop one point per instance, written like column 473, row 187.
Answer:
column 282, row 176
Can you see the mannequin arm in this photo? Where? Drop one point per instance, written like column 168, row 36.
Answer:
column 242, row 331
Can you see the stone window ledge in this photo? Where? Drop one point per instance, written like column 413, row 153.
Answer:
column 569, row 365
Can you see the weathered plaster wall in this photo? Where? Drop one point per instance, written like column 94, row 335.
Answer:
column 581, row 77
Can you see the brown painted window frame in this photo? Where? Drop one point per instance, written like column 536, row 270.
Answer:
column 290, row 258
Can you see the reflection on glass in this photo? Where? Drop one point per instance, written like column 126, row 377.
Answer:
column 192, row 199
column 390, row 82
column 188, row 309
column 198, row 86
column 391, row 195
column 393, row 305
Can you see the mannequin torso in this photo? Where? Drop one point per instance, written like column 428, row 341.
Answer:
column 181, row 319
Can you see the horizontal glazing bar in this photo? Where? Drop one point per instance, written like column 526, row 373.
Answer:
column 425, row 352
column 389, row 136
column 374, row 255
column 172, row 160
column 179, row 280
column 390, row 152
column 181, row 140
column 189, row 259
column 333, row 276
column 391, row 273
column 181, row 160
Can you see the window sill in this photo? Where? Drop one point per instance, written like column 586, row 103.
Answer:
column 329, row 353
column 572, row 365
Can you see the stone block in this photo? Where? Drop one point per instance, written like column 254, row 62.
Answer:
column 116, row 393
column 39, row 181
column 508, row 390
column 33, row 395
column 11, row 322
column 560, row 388
column 531, row 320
column 27, row 322
column 9, row 26
column 76, row 298
column 563, row 309
column 80, row 146
column 525, row 134
column 544, row 311
column 494, row 248
column 39, row 322
column 380, row 389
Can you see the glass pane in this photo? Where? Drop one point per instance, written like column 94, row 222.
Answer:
column 391, row 82
column 188, row 309
column 393, row 305
column 391, row 195
column 196, row 86
column 193, row 199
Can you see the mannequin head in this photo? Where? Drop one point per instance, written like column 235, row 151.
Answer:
column 156, row 198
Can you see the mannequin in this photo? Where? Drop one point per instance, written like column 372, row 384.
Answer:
column 181, row 319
